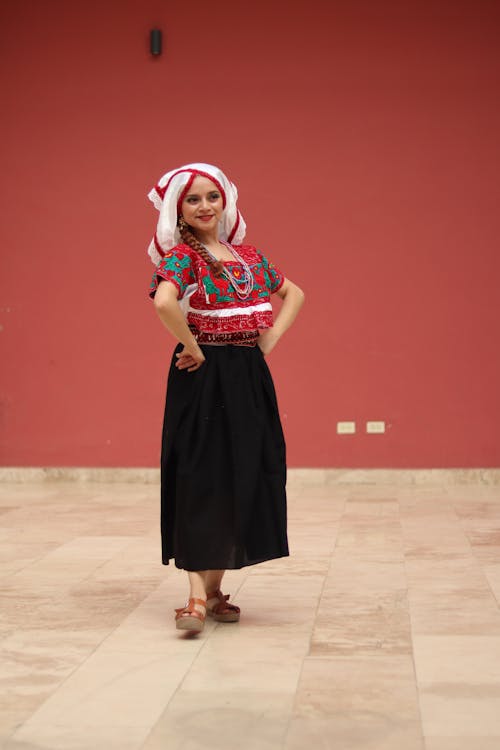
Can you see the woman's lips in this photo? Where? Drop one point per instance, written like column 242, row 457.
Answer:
column 205, row 218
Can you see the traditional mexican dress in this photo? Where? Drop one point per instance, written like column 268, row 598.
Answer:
column 223, row 469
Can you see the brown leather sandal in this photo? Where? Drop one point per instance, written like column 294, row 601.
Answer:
column 223, row 611
column 189, row 618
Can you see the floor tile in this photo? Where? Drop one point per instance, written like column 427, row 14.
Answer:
column 381, row 628
column 463, row 659
column 222, row 721
column 460, row 710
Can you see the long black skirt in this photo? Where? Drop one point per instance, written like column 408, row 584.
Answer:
column 223, row 464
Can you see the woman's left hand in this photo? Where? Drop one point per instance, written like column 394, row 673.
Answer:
column 293, row 298
column 267, row 341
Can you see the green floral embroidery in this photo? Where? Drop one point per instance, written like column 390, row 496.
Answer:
column 177, row 266
column 213, row 289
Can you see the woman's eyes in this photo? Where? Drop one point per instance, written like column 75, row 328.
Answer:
column 211, row 197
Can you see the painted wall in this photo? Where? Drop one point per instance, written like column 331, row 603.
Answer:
column 363, row 137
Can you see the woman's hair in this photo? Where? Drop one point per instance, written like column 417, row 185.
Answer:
column 189, row 239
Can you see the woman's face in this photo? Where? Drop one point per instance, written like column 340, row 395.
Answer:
column 202, row 205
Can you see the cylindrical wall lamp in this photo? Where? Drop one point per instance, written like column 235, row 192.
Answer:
column 155, row 41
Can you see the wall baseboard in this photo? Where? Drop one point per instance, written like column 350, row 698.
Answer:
column 306, row 477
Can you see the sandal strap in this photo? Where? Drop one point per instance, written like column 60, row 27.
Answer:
column 203, row 602
column 224, row 605
column 217, row 595
column 190, row 610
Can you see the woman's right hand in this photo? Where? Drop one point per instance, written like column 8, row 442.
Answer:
column 190, row 358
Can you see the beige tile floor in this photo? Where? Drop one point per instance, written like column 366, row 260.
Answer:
column 380, row 632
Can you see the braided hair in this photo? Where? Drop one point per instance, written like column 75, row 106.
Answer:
column 189, row 239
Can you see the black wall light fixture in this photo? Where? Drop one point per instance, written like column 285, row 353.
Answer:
column 155, row 41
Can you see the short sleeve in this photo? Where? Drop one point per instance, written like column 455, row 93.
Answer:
column 274, row 277
column 176, row 267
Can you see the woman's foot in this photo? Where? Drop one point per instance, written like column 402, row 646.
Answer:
column 220, row 609
column 192, row 616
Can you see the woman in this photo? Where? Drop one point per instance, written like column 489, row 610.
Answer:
column 223, row 453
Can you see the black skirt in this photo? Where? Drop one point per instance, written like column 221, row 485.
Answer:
column 223, row 469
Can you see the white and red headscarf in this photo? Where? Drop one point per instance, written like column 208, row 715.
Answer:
column 168, row 195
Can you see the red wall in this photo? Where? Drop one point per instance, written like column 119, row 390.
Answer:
column 363, row 137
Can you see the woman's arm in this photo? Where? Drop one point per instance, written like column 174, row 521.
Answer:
column 293, row 299
column 170, row 314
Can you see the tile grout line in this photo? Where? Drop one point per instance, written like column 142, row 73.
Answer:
column 332, row 556
column 417, row 688
column 67, row 677
column 472, row 551
column 185, row 675
column 73, row 671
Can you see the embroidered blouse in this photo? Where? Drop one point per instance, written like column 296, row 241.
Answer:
column 212, row 308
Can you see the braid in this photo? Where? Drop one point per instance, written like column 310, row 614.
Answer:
column 189, row 239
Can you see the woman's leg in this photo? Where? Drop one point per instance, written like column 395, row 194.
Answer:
column 218, row 606
column 192, row 617
column 213, row 579
column 203, row 582
column 197, row 588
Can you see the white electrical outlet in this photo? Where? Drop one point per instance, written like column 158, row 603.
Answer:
column 375, row 427
column 346, row 428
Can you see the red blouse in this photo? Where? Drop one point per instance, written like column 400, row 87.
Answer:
column 212, row 308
